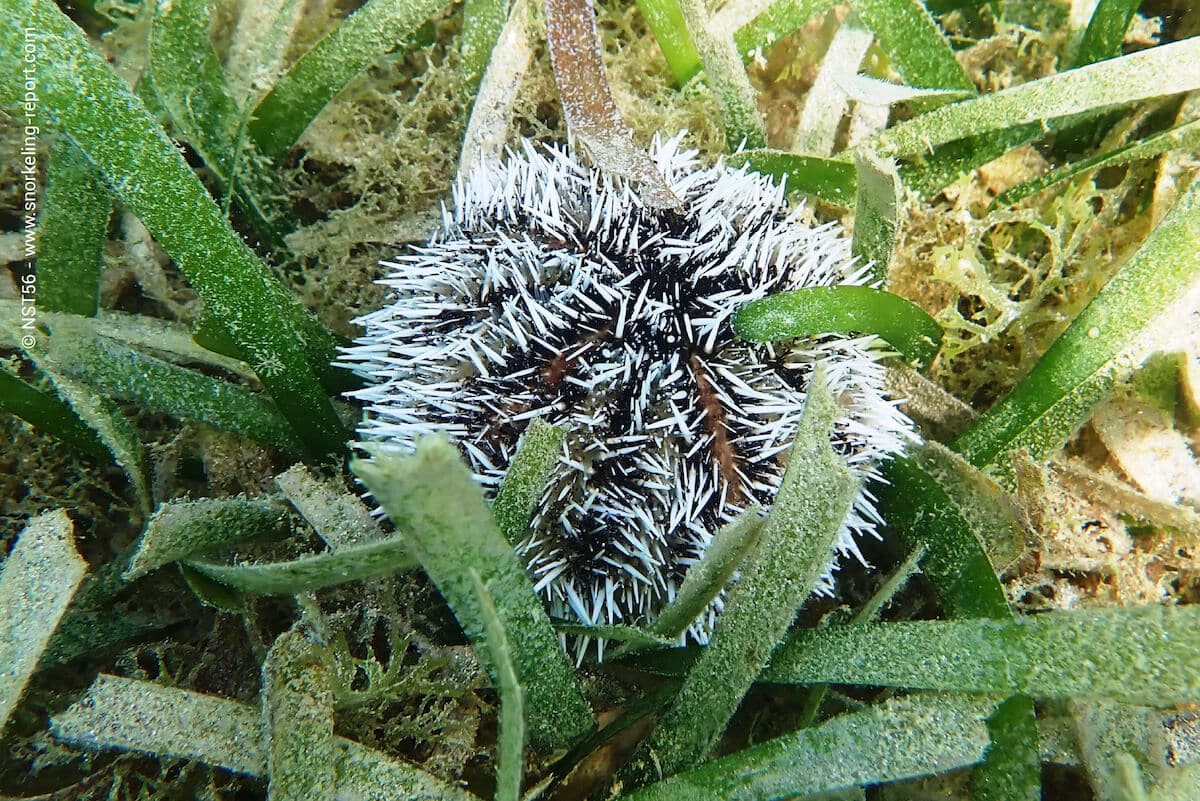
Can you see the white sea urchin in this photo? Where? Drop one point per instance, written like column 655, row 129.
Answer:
column 551, row 291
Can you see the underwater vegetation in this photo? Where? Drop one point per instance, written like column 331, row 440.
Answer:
column 649, row 309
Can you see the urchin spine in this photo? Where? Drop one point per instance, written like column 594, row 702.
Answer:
column 552, row 292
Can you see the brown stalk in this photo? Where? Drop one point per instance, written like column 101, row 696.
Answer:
column 714, row 423
column 593, row 119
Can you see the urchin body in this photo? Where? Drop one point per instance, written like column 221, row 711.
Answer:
column 551, row 292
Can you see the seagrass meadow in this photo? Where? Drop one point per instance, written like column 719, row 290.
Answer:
column 281, row 520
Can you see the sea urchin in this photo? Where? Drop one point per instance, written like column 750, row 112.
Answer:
column 552, row 292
